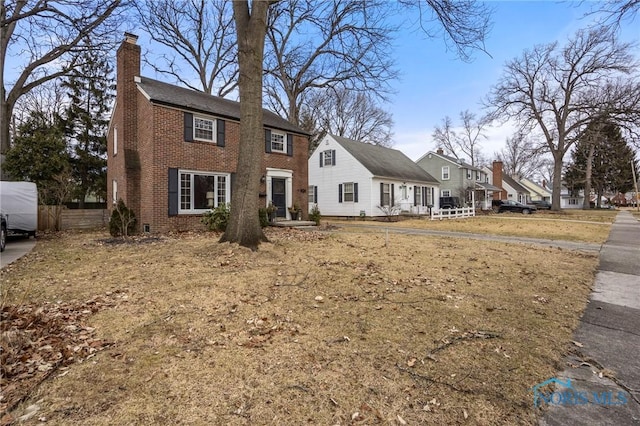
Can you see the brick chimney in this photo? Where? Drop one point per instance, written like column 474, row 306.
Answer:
column 497, row 180
column 122, row 166
column 128, row 67
column 439, row 151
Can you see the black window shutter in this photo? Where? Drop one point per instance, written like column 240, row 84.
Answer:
column 188, row 127
column 321, row 158
column 267, row 140
column 424, row 196
column 289, row 144
column 382, row 194
column 173, row 192
column 315, row 194
column 355, row 192
column 220, row 129
column 333, row 157
column 340, row 193
column 415, row 195
column 392, row 200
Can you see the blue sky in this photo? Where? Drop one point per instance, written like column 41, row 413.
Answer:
column 435, row 84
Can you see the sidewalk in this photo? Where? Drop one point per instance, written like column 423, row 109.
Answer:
column 608, row 338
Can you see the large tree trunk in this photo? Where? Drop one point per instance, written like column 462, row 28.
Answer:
column 251, row 26
column 586, row 204
column 557, row 181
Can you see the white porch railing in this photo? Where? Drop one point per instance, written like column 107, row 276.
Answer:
column 453, row 213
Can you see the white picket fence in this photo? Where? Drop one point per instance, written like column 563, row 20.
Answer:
column 453, row 213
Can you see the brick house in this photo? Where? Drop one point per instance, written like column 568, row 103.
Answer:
column 173, row 152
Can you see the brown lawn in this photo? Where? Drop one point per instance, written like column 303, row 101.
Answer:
column 570, row 226
column 312, row 328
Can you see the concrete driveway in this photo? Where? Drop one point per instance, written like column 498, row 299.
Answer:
column 16, row 248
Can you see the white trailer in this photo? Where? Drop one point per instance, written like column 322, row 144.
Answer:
column 19, row 202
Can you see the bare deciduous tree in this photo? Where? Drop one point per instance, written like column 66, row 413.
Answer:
column 353, row 115
column 251, row 18
column 560, row 89
column 200, row 36
column 251, row 27
column 465, row 141
column 522, row 155
column 616, row 10
column 44, row 40
column 331, row 44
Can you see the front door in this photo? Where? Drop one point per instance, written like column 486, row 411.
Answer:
column 279, row 196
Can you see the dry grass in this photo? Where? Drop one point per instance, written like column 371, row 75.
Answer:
column 311, row 328
column 536, row 226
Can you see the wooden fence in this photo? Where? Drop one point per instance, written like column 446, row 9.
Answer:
column 51, row 218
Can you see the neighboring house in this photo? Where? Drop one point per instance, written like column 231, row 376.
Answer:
column 458, row 179
column 571, row 199
column 350, row 178
column 538, row 192
column 510, row 189
column 173, row 152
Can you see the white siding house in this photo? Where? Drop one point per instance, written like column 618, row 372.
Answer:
column 351, row 178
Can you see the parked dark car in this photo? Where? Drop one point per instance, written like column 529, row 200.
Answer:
column 3, row 231
column 541, row 204
column 512, row 206
column 450, row 203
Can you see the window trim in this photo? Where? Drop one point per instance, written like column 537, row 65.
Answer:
column 115, row 141
column 312, row 197
column 114, row 191
column 352, row 193
column 448, row 191
column 284, row 142
column 385, row 193
column 214, row 128
column 327, row 155
column 216, row 202
column 446, row 172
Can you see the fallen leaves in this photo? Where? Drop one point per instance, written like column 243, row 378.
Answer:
column 37, row 340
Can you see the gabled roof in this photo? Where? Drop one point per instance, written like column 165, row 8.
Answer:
column 191, row 100
column 456, row 161
column 535, row 187
column 514, row 184
column 385, row 162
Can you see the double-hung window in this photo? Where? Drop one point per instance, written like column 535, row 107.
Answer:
column 204, row 129
column 278, row 142
column 386, row 195
column 327, row 157
column 418, row 195
column 445, row 173
column 347, row 192
column 446, row 193
column 469, row 172
column 199, row 191
column 313, row 194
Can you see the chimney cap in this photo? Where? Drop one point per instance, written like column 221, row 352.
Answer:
column 130, row 38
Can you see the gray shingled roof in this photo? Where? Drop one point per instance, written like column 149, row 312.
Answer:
column 168, row 94
column 515, row 185
column 457, row 161
column 385, row 162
